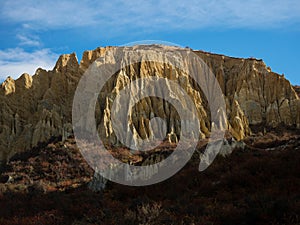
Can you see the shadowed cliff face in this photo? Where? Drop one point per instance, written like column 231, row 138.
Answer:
column 36, row 108
column 297, row 89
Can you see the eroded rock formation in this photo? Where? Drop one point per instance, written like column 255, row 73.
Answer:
column 36, row 108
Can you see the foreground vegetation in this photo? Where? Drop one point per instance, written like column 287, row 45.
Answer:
column 48, row 185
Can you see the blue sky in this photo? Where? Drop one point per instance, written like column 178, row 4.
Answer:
column 34, row 33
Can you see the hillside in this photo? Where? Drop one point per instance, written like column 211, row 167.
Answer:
column 254, row 185
column 45, row 179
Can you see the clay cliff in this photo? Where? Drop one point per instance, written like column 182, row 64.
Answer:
column 36, row 108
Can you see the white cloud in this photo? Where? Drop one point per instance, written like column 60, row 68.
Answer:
column 32, row 41
column 163, row 14
column 109, row 17
column 15, row 61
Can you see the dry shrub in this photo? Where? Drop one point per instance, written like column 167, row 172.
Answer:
column 144, row 214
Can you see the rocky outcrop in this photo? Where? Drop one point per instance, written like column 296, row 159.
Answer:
column 263, row 96
column 36, row 108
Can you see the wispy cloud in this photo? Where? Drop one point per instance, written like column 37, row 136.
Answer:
column 32, row 41
column 164, row 14
column 16, row 61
